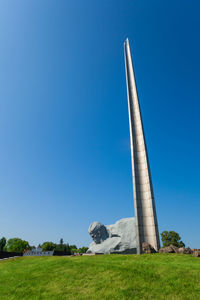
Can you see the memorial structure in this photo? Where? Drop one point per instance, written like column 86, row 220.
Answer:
column 116, row 238
column 38, row 252
column 145, row 210
column 144, row 227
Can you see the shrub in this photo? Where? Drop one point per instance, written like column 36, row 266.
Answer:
column 48, row 246
column 2, row 243
column 171, row 238
column 17, row 245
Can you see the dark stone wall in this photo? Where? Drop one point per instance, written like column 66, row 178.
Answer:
column 61, row 253
column 4, row 254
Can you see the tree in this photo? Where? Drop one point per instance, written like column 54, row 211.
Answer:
column 171, row 238
column 48, row 246
column 67, row 249
column 73, row 247
column 83, row 249
column 2, row 243
column 63, row 248
column 17, row 245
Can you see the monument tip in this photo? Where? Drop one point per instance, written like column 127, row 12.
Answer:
column 126, row 41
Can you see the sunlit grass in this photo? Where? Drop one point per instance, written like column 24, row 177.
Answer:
column 155, row 276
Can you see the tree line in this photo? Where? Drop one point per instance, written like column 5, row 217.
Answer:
column 19, row 245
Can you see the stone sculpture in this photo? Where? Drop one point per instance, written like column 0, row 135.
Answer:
column 116, row 238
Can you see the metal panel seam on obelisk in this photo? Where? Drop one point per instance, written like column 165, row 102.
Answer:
column 144, row 203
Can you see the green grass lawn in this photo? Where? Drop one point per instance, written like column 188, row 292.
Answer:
column 153, row 276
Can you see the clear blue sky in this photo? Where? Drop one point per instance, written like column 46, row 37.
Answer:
column 64, row 135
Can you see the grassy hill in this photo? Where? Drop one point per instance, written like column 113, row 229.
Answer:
column 155, row 276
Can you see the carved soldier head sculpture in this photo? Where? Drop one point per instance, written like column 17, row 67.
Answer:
column 98, row 232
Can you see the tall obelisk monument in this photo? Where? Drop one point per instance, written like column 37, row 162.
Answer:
column 145, row 211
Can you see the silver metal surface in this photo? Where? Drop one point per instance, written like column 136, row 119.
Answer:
column 145, row 211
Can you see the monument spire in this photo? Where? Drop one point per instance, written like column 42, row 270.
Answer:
column 145, row 211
